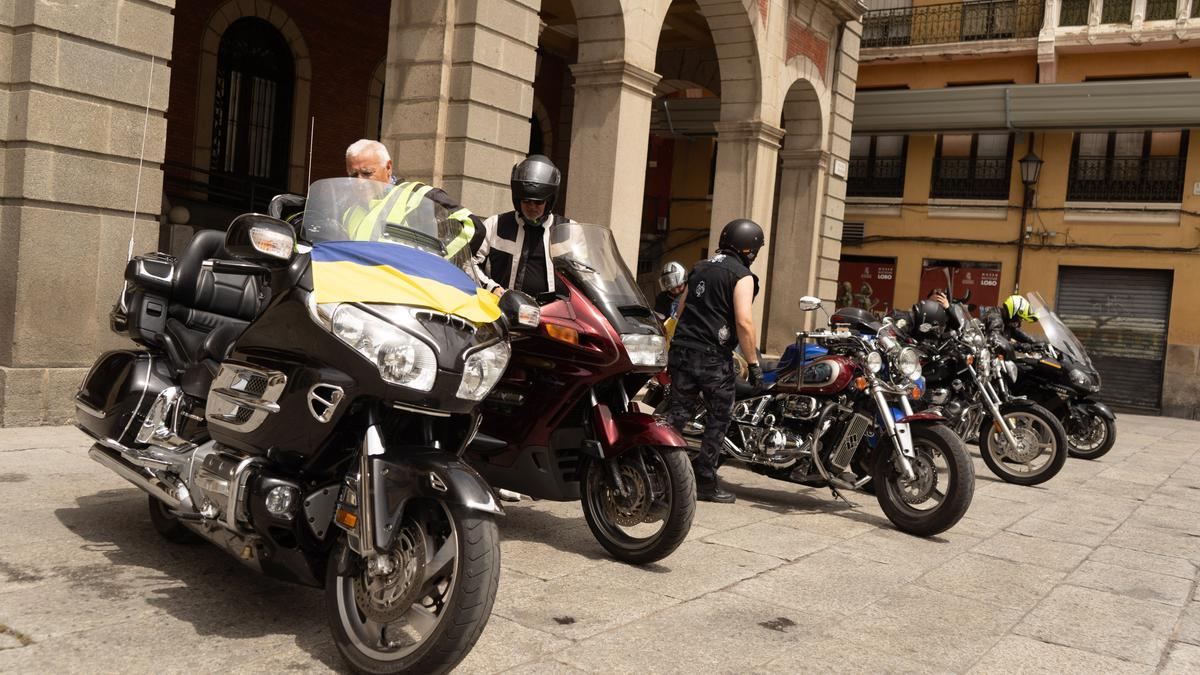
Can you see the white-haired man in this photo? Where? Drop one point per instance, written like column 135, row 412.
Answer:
column 369, row 159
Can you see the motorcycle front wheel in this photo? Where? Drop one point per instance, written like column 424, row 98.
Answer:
column 1090, row 436
column 649, row 515
column 425, row 608
column 941, row 489
column 1042, row 445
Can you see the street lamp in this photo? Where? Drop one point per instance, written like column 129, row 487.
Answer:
column 1031, row 166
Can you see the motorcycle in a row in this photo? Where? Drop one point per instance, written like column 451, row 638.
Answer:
column 334, row 402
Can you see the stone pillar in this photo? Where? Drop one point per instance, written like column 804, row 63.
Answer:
column 1183, row 10
column 74, row 91
column 458, row 94
column 747, row 153
column 1138, row 16
column 609, row 140
column 802, row 185
column 1046, row 53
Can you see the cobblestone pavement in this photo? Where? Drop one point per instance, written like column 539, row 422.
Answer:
column 1095, row 571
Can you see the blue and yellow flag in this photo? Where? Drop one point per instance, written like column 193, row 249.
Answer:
column 385, row 273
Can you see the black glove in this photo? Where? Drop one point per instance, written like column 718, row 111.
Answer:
column 756, row 378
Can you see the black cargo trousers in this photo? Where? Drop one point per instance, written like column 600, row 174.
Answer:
column 702, row 375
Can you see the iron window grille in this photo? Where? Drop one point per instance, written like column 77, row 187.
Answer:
column 952, row 22
column 872, row 175
column 1127, row 178
column 972, row 176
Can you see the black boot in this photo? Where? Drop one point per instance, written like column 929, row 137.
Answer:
column 712, row 492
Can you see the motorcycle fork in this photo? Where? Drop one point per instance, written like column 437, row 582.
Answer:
column 993, row 405
column 900, row 433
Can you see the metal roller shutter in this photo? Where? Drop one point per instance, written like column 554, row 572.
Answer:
column 1120, row 315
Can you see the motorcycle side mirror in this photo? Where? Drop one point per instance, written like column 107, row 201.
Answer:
column 261, row 239
column 809, row 303
column 286, row 202
column 520, row 310
column 548, row 297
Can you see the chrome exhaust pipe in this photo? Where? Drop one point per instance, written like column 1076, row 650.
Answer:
column 136, row 475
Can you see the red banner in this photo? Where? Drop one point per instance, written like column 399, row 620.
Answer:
column 871, row 286
column 983, row 282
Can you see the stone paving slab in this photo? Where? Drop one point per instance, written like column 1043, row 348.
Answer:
column 1095, row 571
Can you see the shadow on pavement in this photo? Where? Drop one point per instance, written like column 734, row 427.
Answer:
column 215, row 594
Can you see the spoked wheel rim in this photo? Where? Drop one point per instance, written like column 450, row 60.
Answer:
column 933, row 480
column 1036, row 445
column 1089, row 435
column 638, row 518
column 389, row 616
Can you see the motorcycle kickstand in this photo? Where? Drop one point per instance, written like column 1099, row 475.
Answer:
column 838, row 495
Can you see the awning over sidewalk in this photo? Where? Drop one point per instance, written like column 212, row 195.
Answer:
column 1087, row 105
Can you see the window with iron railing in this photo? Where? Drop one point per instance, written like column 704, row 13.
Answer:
column 1128, row 166
column 876, row 166
column 972, row 166
column 1116, row 11
column 1160, row 10
column 1074, row 13
column 952, row 22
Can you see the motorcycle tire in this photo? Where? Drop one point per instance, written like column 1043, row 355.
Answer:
column 466, row 604
column 676, row 468
column 1105, row 426
column 898, row 503
column 1051, row 430
column 168, row 526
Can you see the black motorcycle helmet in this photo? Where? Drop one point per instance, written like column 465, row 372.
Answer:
column 535, row 177
column 928, row 317
column 742, row 237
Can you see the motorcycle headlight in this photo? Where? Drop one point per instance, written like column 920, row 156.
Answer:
column 482, row 370
column 646, row 350
column 401, row 358
column 978, row 340
column 1081, row 379
column 875, row 362
column 908, row 362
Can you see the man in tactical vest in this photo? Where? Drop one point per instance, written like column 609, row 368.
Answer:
column 513, row 250
column 714, row 317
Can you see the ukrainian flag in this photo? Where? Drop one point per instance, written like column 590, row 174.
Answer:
column 394, row 274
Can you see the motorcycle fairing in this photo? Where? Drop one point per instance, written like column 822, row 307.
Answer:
column 409, row 472
column 1097, row 408
column 386, row 273
column 629, row 429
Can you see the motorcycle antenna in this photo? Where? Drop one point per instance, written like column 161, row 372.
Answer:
column 137, row 194
column 312, row 133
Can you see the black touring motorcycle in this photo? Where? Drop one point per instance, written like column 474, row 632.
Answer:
column 300, row 403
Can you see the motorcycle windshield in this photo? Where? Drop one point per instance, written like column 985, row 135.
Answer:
column 375, row 242
column 1057, row 334
column 587, row 255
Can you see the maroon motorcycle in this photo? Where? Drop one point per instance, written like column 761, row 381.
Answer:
column 561, row 426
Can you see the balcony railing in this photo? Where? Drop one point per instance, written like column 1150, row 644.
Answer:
column 1126, row 179
column 1116, row 11
column 964, row 178
column 1073, row 13
column 952, row 22
column 1161, row 10
column 876, row 178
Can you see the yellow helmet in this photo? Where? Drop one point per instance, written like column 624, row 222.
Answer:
column 1017, row 307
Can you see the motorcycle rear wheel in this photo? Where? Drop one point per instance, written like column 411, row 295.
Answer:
column 1093, row 439
column 1034, row 424
column 168, row 526
column 665, row 491
column 942, row 491
column 460, row 573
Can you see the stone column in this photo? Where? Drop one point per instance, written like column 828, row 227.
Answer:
column 458, row 94
column 1046, row 54
column 797, row 244
column 75, row 87
column 1138, row 15
column 747, row 153
column 609, row 139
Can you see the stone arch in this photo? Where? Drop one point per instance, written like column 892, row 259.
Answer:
column 546, row 123
column 736, row 43
column 372, row 129
column 601, row 30
column 210, row 44
column 803, row 112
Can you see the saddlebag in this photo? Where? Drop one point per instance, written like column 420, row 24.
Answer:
column 142, row 313
column 118, row 392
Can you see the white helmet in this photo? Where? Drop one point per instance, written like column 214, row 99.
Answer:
column 672, row 275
